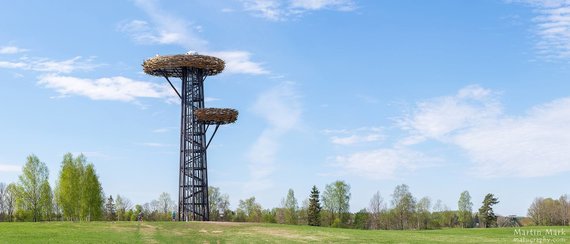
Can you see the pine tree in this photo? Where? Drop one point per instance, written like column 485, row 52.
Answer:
column 487, row 216
column 314, row 212
column 110, row 208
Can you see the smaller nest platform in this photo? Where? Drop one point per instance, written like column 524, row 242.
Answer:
column 172, row 65
column 216, row 115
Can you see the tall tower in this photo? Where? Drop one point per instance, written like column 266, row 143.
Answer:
column 192, row 70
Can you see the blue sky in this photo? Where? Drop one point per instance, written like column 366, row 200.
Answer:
column 444, row 96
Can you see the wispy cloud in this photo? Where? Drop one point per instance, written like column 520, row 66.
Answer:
column 347, row 137
column 552, row 28
column 49, row 65
column 167, row 29
column 534, row 144
column 113, row 88
column 384, row 163
column 240, row 62
column 531, row 145
column 12, row 50
column 155, row 144
column 276, row 10
column 8, row 168
column 281, row 109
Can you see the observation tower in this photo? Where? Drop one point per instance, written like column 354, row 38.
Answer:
column 192, row 70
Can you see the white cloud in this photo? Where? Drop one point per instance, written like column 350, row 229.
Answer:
column 276, row 10
column 269, row 9
column 155, row 144
column 10, row 168
column 279, row 106
column 48, row 65
column 341, row 5
column 281, row 109
column 437, row 118
column 12, row 65
column 113, row 88
column 552, row 28
column 168, row 29
column 532, row 145
column 240, row 62
column 347, row 137
column 383, row 163
column 11, row 50
column 163, row 130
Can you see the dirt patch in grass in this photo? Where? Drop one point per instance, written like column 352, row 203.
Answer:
column 148, row 232
column 222, row 223
column 287, row 234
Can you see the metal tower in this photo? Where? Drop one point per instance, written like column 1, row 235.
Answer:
column 192, row 69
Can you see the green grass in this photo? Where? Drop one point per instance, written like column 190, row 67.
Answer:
column 213, row 232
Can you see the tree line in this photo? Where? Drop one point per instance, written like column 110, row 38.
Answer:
column 78, row 196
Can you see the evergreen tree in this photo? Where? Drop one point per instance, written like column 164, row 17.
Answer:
column 487, row 217
column 314, row 212
column 110, row 208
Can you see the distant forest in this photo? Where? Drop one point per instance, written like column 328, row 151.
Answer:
column 78, row 196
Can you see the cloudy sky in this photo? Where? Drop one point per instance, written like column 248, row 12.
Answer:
column 444, row 96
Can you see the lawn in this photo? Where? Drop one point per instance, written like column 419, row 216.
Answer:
column 216, row 232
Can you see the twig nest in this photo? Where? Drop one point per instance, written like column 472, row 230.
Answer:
column 172, row 65
column 216, row 115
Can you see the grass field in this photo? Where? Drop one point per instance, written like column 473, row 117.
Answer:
column 215, row 232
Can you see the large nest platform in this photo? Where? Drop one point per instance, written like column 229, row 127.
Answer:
column 173, row 65
column 216, row 115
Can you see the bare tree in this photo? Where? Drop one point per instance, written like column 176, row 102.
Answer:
column 10, row 200
column 2, row 192
column 375, row 208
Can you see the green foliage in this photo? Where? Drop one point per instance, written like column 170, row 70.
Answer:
column 10, row 198
column 487, row 217
column 291, row 206
column 219, row 204
column 336, row 198
column 32, row 190
column 110, row 209
column 268, row 216
column 314, row 211
column 80, row 194
column 548, row 211
column 404, row 205
column 251, row 209
column 361, row 220
column 423, row 214
column 465, row 209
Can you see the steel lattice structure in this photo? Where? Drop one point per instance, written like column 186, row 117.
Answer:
column 192, row 69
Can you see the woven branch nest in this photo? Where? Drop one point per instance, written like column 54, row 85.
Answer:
column 216, row 115
column 172, row 65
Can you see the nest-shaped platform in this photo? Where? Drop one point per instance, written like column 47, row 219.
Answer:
column 172, row 65
column 216, row 115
